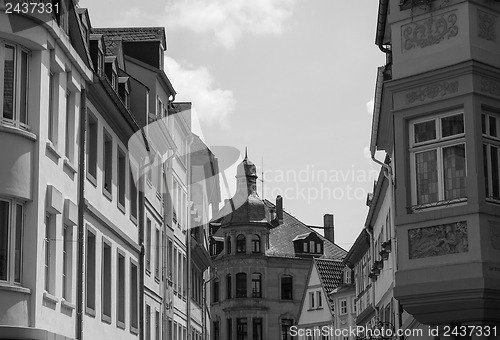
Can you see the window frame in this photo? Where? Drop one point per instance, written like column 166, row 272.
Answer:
column 13, row 238
column 439, row 144
column 256, row 244
column 343, row 308
column 241, row 241
column 283, row 290
column 17, row 101
column 489, row 141
column 241, row 285
column 257, row 285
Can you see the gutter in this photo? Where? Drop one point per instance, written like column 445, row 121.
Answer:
column 383, row 7
column 81, row 209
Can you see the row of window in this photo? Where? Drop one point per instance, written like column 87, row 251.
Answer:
column 152, row 248
column 108, row 158
column 256, row 292
column 242, row 329
column 113, row 292
column 177, row 269
column 241, row 244
column 176, row 331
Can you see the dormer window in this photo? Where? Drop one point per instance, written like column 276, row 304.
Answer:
column 308, row 243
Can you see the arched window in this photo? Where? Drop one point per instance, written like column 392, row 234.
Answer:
column 216, row 290
column 255, row 244
column 228, row 286
column 228, row 244
column 241, row 285
column 256, row 285
column 240, row 243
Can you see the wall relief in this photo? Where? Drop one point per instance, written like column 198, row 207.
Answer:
column 429, row 31
column 432, row 91
column 438, row 240
column 491, row 87
column 486, row 26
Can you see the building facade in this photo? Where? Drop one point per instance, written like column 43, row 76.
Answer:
column 261, row 256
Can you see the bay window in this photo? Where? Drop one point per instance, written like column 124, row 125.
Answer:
column 11, row 237
column 14, row 76
column 438, row 160
column 491, row 156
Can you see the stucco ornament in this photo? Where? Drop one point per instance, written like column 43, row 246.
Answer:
column 438, row 240
column 486, row 26
column 429, row 31
column 432, row 91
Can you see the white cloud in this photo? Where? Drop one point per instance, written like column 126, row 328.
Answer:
column 197, row 85
column 370, row 106
column 229, row 20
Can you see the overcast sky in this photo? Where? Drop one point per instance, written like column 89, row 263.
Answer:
column 292, row 80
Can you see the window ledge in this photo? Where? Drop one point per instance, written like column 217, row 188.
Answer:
column 52, row 149
column 106, row 318
column 120, row 324
column 17, row 131
column 148, row 272
column 435, row 205
column 68, row 165
column 157, row 279
column 90, row 311
column 92, row 179
column 50, row 298
column 107, row 194
column 67, row 305
column 121, row 207
column 493, row 200
column 133, row 219
column 134, row 330
column 14, row 288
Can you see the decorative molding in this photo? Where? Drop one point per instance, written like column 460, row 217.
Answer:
column 432, row 91
column 450, row 238
column 495, row 235
column 490, row 87
column 486, row 26
column 429, row 31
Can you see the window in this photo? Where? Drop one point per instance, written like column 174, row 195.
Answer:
column 257, row 328
column 175, row 269
column 14, row 69
column 228, row 244
column 256, row 285
column 286, row 324
column 107, row 159
column 437, row 151
column 11, row 239
column 106, row 281
column 169, row 258
column 120, row 291
column 147, row 246
column 216, row 330
column 229, row 324
column 319, row 248
column 121, row 163
column 49, row 242
column 241, row 329
column 347, row 277
column 67, row 262
column 240, row 243
column 343, row 307
column 92, row 143
column 491, row 156
column 312, row 304
column 69, row 148
column 133, row 194
column 157, row 254
column 147, row 322
column 184, row 275
column 157, row 325
column 134, row 296
column 241, row 285
column 354, row 306
column 319, row 300
column 53, row 106
column 228, row 286
column 286, row 287
column 305, row 248
column 255, row 244
column 91, row 272
column 215, row 293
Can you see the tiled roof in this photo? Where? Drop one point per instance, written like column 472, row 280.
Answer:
column 281, row 238
column 135, row 33
column 330, row 273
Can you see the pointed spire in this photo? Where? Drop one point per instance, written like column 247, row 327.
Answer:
column 246, row 153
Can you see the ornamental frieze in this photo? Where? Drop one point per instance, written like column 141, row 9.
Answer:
column 486, row 26
column 490, row 87
column 438, row 240
column 432, row 91
column 429, row 31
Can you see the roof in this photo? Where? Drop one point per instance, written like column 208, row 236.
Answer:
column 281, row 238
column 358, row 249
column 136, row 33
column 330, row 273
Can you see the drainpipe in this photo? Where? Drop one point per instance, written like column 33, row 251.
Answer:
column 205, row 308
column 81, row 208
column 188, row 243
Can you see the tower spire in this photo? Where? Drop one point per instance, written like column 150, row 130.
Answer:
column 246, row 152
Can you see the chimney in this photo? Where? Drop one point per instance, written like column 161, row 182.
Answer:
column 279, row 208
column 329, row 229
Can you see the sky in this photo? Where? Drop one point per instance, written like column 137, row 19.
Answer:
column 291, row 80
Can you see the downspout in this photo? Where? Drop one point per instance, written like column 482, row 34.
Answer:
column 81, row 209
column 383, row 8
column 188, row 242
column 205, row 308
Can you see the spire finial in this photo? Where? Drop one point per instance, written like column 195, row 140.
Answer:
column 246, row 152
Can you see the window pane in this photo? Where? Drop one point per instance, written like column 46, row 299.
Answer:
column 483, row 123
column 241, row 285
column 454, row 171
column 19, row 235
column 8, row 83
column 4, row 238
column 23, row 96
column 493, row 126
column 486, row 169
column 425, row 131
column 494, row 172
column 427, row 176
column 452, row 125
